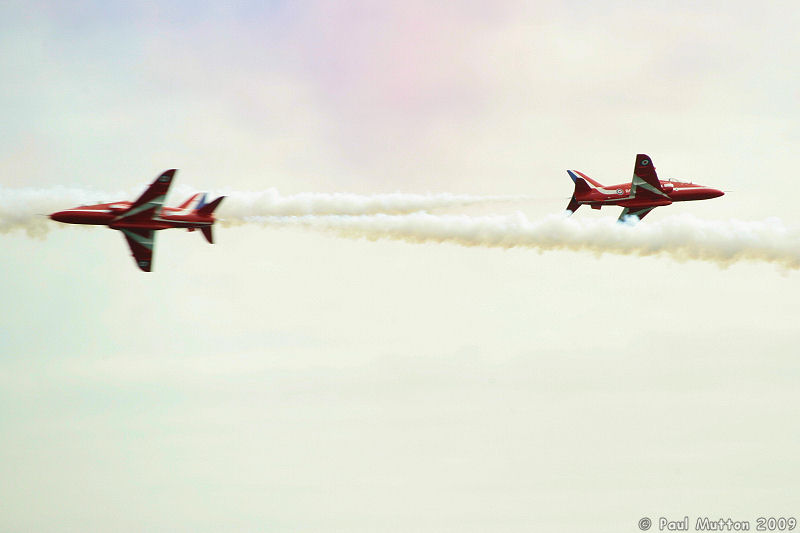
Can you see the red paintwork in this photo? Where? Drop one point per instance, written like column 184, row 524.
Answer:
column 104, row 215
column 138, row 220
column 639, row 196
column 687, row 192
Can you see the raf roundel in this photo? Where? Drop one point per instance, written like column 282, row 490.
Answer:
column 645, row 162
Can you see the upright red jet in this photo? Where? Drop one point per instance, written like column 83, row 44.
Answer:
column 644, row 193
column 139, row 220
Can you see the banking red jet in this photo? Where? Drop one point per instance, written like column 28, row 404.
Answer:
column 139, row 220
column 644, row 193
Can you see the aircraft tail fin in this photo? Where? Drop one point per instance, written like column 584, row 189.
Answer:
column 207, row 234
column 583, row 185
column 208, row 209
column 195, row 201
column 576, row 176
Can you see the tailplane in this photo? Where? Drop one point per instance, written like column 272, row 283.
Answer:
column 207, row 210
column 207, row 234
column 573, row 205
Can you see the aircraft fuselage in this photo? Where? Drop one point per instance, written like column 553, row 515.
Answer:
column 620, row 195
column 139, row 220
column 108, row 215
column 644, row 193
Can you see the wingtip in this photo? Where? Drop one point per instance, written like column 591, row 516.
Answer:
column 166, row 176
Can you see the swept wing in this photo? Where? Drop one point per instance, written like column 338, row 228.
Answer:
column 141, row 242
column 150, row 202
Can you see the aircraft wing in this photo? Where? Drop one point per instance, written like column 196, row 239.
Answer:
column 645, row 183
column 146, row 206
column 141, row 242
column 640, row 213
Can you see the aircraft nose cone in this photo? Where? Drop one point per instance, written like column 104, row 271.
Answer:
column 59, row 216
column 715, row 193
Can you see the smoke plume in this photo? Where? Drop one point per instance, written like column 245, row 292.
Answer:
column 240, row 205
column 682, row 237
column 23, row 209
column 403, row 217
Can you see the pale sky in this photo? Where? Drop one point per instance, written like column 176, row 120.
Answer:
column 287, row 379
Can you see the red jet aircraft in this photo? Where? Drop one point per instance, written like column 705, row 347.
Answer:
column 139, row 220
column 642, row 195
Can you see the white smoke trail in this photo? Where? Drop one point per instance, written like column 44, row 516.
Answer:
column 679, row 237
column 240, row 205
column 21, row 209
